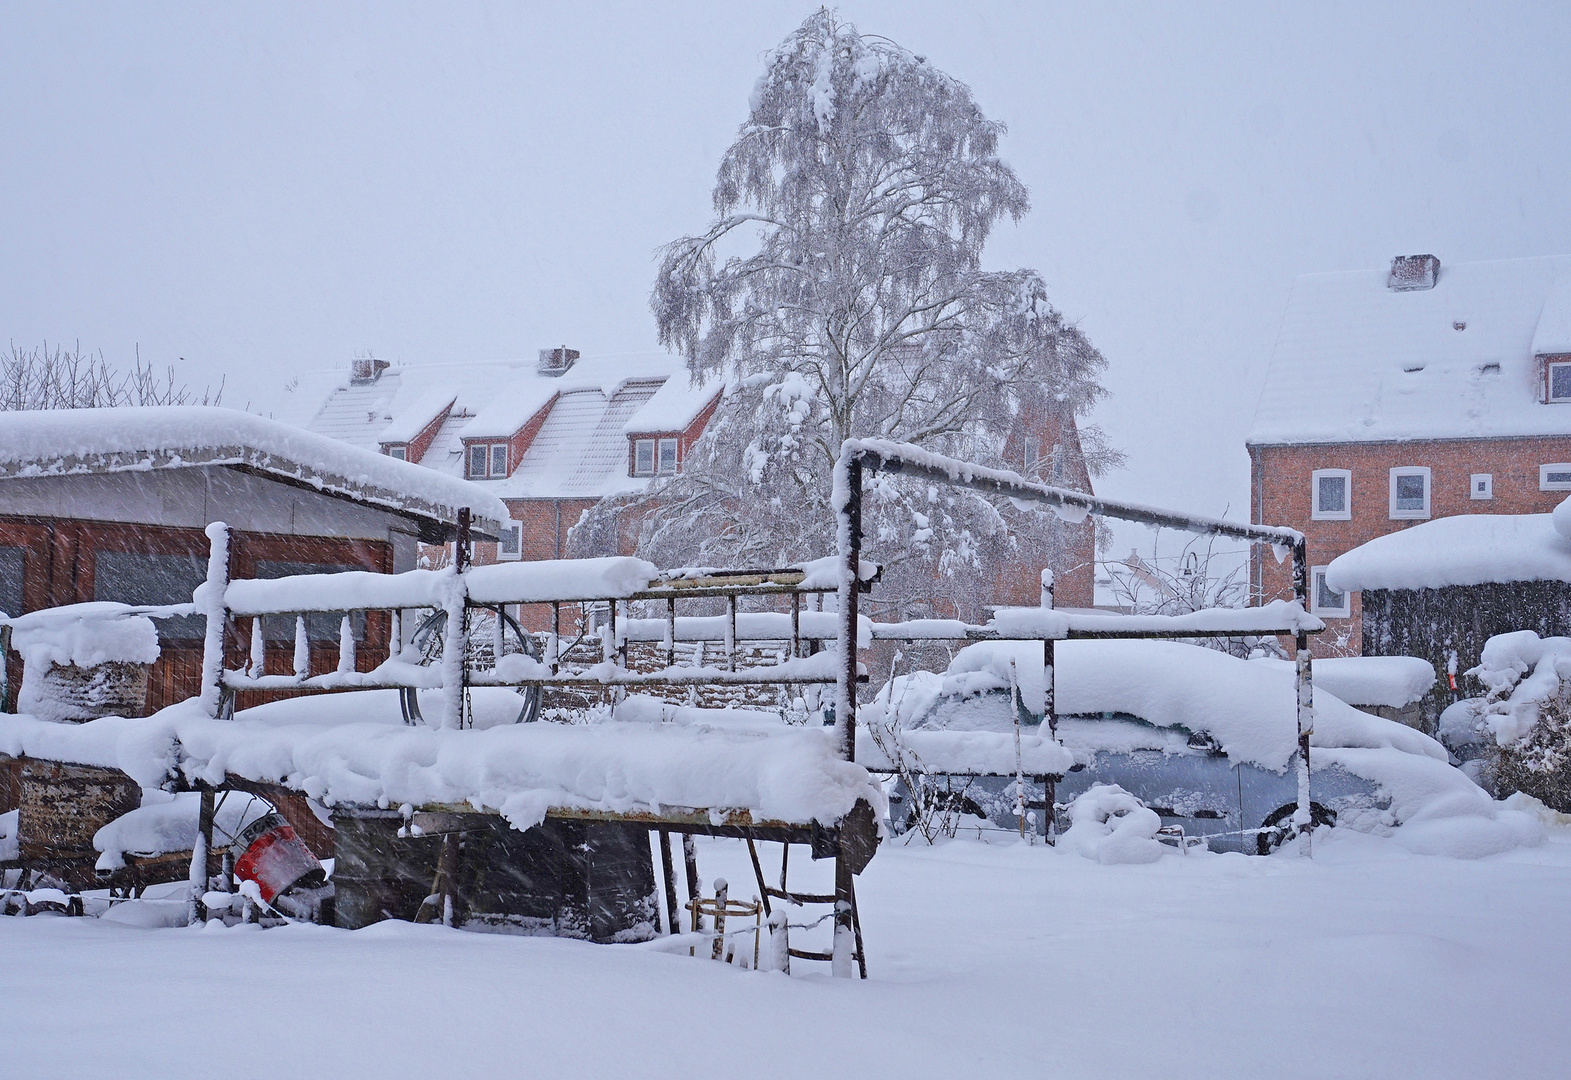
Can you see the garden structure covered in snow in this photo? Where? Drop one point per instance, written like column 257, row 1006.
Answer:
column 1441, row 589
column 476, row 817
column 110, row 505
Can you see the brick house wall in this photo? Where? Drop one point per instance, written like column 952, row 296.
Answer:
column 1281, row 494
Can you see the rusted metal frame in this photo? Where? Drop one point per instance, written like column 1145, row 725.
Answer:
column 759, row 676
column 670, row 645
column 796, row 624
column 849, row 527
column 1303, row 669
column 889, row 460
column 730, row 633
column 982, row 633
column 556, row 636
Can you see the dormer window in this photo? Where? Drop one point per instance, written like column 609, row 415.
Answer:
column 398, row 451
column 487, row 461
column 652, row 457
column 1560, row 380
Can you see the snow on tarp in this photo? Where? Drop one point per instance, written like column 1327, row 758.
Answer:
column 1358, row 362
column 69, row 441
column 1468, row 549
column 1392, row 681
column 520, row 770
column 1248, row 707
column 515, row 582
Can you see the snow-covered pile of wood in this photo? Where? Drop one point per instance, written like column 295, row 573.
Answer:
column 778, row 773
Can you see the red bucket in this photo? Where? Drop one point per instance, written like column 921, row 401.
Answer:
column 271, row 855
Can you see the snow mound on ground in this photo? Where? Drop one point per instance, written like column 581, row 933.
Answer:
column 1112, row 826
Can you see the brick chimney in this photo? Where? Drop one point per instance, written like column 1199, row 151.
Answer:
column 366, row 369
column 1413, row 273
column 556, row 361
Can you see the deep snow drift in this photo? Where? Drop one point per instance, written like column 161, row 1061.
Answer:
column 986, row 959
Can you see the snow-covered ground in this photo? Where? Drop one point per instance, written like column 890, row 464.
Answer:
column 987, row 959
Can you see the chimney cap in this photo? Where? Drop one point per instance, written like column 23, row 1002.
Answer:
column 1413, row 273
column 556, row 361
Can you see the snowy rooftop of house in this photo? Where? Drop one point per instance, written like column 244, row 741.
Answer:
column 579, row 451
column 82, row 441
column 1359, row 361
column 1469, row 549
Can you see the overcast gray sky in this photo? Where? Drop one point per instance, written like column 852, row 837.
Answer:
column 264, row 193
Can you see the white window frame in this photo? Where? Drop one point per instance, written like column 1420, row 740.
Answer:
column 1549, row 379
column 1546, row 484
column 660, row 457
column 483, row 452
column 497, row 448
column 515, row 530
column 1411, row 470
column 398, row 453
column 1481, row 485
column 641, row 447
column 1316, row 578
column 1344, row 514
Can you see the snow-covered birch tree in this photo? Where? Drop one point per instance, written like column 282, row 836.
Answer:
column 839, row 292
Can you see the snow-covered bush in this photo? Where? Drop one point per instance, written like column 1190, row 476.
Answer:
column 1528, row 713
column 1112, row 826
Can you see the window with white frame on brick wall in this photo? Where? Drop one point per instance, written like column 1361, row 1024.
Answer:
column 1331, row 495
column 1410, row 492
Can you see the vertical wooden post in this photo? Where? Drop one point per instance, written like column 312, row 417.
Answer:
column 196, row 910
column 1303, row 816
column 730, row 633
column 668, row 872
column 455, row 641
column 690, row 865
column 845, row 934
column 670, row 629
column 722, row 889
column 216, row 611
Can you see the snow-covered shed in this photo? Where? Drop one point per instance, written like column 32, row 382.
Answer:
column 110, row 504
column 1441, row 589
column 1403, row 394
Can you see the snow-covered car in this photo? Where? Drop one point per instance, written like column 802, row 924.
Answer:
column 1205, row 739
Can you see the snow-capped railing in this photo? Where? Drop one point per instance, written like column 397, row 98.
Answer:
column 1279, row 617
column 609, row 585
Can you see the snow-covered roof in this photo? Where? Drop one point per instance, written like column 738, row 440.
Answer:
column 1356, row 361
column 580, row 450
column 675, row 405
column 80, row 441
column 1468, row 549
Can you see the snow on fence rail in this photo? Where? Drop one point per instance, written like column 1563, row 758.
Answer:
column 880, row 455
column 610, row 583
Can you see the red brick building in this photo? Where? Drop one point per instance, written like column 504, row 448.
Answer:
column 111, row 504
column 552, row 438
column 1398, row 396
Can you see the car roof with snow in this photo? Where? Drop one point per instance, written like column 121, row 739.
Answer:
column 1246, row 706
